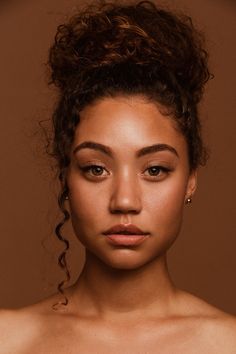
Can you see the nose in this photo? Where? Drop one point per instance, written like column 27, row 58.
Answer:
column 125, row 196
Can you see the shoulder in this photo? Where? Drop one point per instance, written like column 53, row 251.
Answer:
column 20, row 328
column 16, row 330
column 221, row 331
column 215, row 328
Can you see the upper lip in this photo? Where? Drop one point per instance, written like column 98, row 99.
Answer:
column 122, row 229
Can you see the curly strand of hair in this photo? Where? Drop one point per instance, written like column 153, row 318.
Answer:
column 62, row 257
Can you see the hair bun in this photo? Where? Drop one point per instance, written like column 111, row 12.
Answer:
column 111, row 34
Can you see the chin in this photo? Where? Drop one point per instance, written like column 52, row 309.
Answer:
column 127, row 259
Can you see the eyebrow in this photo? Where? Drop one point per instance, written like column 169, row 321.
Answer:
column 107, row 151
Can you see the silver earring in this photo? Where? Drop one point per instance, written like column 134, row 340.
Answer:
column 188, row 200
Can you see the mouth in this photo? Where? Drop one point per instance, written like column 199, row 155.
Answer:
column 125, row 229
column 127, row 235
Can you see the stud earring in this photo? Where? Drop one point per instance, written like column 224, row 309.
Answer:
column 66, row 197
column 188, row 200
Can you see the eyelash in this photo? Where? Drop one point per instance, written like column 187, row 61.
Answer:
column 166, row 170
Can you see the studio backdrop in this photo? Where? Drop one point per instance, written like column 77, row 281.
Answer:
column 203, row 259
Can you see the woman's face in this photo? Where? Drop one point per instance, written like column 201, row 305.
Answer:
column 132, row 183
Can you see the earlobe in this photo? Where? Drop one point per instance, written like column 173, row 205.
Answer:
column 191, row 186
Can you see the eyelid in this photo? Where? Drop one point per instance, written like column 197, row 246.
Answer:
column 161, row 167
column 164, row 170
column 161, row 164
column 85, row 169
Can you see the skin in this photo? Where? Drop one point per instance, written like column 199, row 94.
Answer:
column 124, row 299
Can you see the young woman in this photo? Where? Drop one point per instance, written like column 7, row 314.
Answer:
column 127, row 141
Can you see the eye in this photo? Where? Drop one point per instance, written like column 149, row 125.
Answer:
column 158, row 171
column 95, row 170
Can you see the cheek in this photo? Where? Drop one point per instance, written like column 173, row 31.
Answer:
column 165, row 206
column 85, row 207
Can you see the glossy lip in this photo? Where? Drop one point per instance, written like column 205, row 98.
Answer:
column 125, row 229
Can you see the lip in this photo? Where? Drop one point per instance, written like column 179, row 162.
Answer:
column 125, row 229
column 125, row 234
column 126, row 240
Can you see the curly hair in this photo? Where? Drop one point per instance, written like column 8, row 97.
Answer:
column 109, row 49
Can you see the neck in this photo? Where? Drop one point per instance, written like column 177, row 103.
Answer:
column 105, row 291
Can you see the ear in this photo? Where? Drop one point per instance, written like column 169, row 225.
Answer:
column 191, row 184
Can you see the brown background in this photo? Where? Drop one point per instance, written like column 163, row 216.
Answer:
column 203, row 260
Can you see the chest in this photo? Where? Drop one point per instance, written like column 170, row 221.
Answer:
column 105, row 340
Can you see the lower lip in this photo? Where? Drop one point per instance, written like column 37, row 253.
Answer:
column 126, row 240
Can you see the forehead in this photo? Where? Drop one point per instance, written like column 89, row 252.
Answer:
column 129, row 122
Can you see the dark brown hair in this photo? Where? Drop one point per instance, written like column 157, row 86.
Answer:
column 109, row 49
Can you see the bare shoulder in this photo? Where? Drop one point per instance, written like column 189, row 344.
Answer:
column 221, row 330
column 21, row 328
column 217, row 328
column 17, row 328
